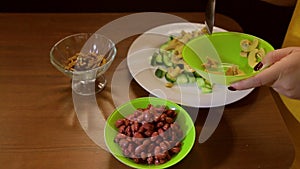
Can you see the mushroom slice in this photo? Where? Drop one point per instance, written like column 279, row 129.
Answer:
column 244, row 54
column 254, row 44
column 252, row 58
column 248, row 45
column 172, row 44
column 245, row 43
column 260, row 53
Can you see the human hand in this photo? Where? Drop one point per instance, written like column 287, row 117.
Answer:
column 282, row 73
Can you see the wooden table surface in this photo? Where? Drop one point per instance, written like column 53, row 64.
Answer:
column 39, row 127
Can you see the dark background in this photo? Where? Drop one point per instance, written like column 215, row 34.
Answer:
column 261, row 19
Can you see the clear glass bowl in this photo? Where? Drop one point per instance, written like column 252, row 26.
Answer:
column 84, row 57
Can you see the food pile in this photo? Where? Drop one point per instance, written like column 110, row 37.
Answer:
column 81, row 61
column 170, row 65
column 215, row 66
column 150, row 135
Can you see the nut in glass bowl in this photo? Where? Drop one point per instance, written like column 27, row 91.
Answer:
column 84, row 57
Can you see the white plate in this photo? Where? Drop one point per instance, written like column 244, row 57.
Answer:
column 138, row 61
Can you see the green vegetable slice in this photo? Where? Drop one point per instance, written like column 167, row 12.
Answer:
column 159, row 73
column 182, row 79
column 170, row 78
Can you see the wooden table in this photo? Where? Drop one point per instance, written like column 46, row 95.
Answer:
column 38, row 123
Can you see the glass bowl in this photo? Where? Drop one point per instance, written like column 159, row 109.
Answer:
column 84, row 57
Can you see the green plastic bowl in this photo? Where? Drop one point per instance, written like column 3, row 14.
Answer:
column 183, row 119
column 225, row 47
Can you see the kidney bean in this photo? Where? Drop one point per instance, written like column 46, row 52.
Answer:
column 141, row 129
column 167, row 143
column 163, row 146
column 173, row 136
column 135, row 126
column 138, row 135
column 169, row 120
column 148, row 126
column 163, row 117
column 128, row 131
column 126, row 153
column 121, row 135
column 143, row 155
column 148, row 117
column 170, row 113
column 116, row 140
column 159, row 124
column 158, row 140
column 137, row 113
column 122, row 129
column 131, row 147
column 161, row 132
column 146, row 142
column 157, row 162
column 129, row 139
column 119, row 123
column 175, row 150
column 139, row 149
column 150, row 160
column 168, row 157
column 140, row 118
column 178, row 144
column 126, row 122
column 154, row 136
column 157, row 150
column 136, row 160
column 156, row 117
column 148, row 133
column 137, row 141
column 161, row 161
column 166, row 126
column 150, row 148
column 123, row 143
column 161, row 156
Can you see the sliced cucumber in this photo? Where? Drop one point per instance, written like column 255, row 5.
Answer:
column 159, row 73
column 200, row 82
column 206, row 90
column 158, row 59
column 162, row 48
column 191, row 78
column 182, row 79
column 204, row 85
column 166, row 57
column 170, row 78
column 153, row 60
column 174, row 72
